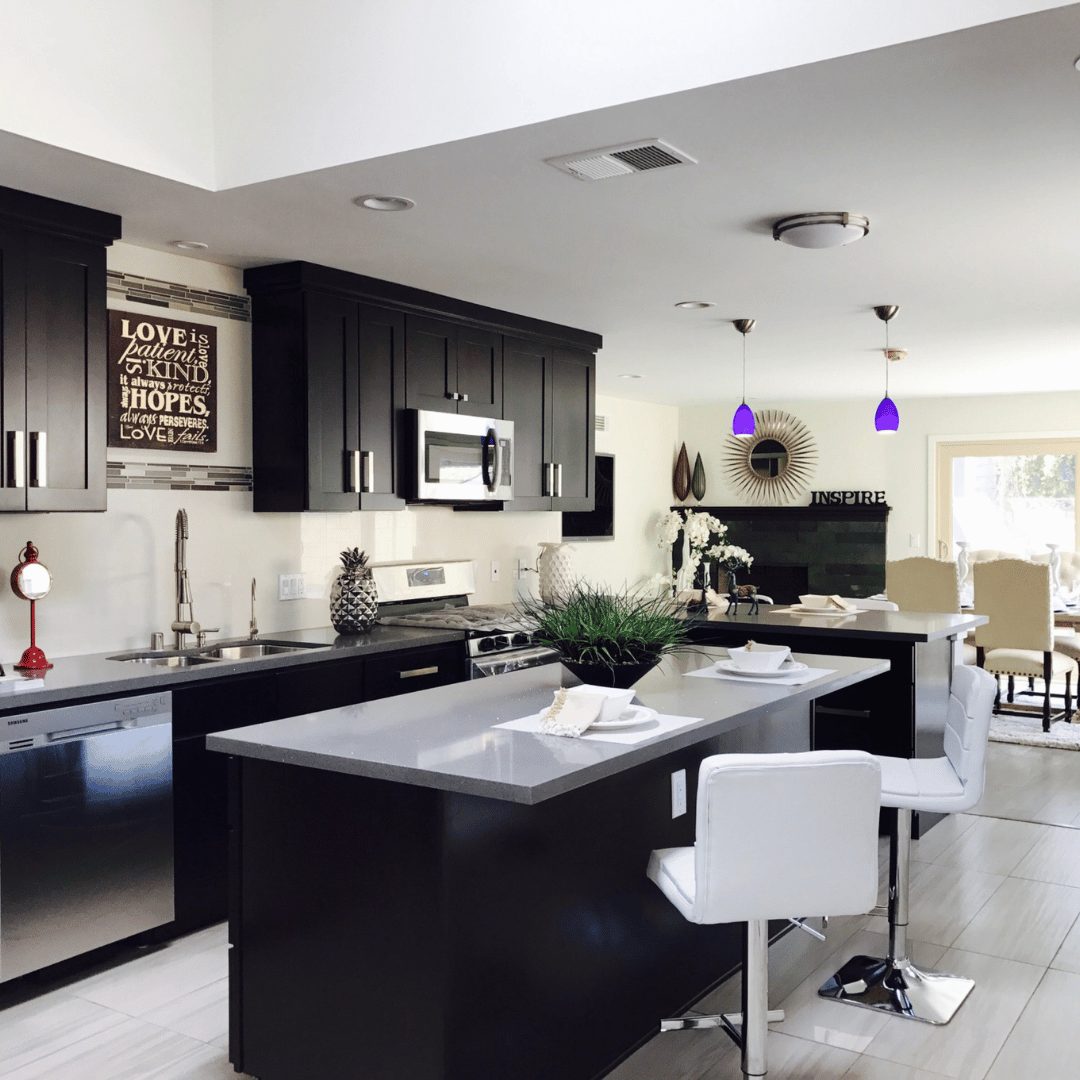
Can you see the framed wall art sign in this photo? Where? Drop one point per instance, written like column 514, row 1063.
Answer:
column 162, row 383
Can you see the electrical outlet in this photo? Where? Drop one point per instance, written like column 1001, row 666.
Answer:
column 678, row 793
column 914, row 541
column 494, row 570
column 290, row 586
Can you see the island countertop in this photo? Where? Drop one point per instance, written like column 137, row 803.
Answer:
column 910, row 626
column 445, row 739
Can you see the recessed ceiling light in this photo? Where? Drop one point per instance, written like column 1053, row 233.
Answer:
column 189, row 245
column 821, row 229
column 629, row 375
column 694, row 305
column 384, row 202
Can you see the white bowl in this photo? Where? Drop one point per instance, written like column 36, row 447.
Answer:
column 615, row 703
column 760, row 657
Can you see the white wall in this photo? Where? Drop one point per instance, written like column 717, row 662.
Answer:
column 130, row 83
column 113, row 580
column 852, row 455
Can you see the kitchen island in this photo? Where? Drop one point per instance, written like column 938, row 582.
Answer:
column 418, row 894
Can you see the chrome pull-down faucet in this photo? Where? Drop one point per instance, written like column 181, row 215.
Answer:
column 184, row 625
column 253, row 626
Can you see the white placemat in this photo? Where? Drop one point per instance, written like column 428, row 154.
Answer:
column 796, row 678
column 798, row 613
column 662, row 725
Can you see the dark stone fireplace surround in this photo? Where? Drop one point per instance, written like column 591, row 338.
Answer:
column 796, row 549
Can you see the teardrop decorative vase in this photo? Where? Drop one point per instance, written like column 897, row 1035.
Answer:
column 697, row 484
column 680, row 481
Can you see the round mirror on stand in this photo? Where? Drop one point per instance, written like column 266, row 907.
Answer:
column 31, row 580
column 776, row 463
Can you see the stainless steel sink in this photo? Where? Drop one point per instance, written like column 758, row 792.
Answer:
column 251, row 649
column 152, row 660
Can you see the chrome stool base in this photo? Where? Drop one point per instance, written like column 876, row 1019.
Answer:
column 730, row 1022
column 899, row 988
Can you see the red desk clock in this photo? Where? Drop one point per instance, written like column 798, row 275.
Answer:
column 31, row 580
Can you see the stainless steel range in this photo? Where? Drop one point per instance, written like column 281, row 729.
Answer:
column 436, row 595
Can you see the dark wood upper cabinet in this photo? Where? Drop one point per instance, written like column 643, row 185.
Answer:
column 53, row 352
column 338, row 358
column 328, row 384
column 549, row 391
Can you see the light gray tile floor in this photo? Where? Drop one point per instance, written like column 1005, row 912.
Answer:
column 992, row 898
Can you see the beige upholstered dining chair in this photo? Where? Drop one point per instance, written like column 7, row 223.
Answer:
column 922, row 584
column 980, row 555
column 1019, row 638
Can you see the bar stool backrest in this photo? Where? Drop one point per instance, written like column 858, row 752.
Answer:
column 784, row 834
column 967, row 728
column 923, row 584
column 1015, row 595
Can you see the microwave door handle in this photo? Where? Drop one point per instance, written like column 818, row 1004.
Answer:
column 489, row 470
column 497, row 482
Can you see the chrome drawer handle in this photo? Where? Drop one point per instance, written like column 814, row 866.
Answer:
column 416, row 672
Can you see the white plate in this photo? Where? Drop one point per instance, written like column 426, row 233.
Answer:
column 634, row 716
column 789, row 667
column 802, row 609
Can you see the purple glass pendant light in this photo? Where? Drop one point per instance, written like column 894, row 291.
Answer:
column 887, row 417
column 742, row 423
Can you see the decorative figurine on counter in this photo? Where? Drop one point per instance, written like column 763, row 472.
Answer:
column 741, row 594
column 31, row 580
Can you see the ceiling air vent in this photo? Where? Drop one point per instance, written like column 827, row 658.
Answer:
column 601, row 422
column 624, row 160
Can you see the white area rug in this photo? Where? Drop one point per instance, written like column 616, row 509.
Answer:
column 1027, row 731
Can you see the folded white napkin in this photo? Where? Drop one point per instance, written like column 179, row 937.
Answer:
column 817, row 600
column 571, row 714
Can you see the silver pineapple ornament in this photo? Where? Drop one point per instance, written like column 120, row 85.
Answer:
column 354, row 601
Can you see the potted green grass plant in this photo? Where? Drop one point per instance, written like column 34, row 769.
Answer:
column 608, row 638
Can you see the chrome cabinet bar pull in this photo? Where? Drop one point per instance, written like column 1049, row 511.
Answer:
column 369, row 470
column 39, row 475
column 549, row 478
column 558, row 480
column 416, row 672
column 16, row 459
column 352, row 470
column 463, row 397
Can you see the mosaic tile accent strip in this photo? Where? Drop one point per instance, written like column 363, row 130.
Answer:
column 168, row 294
column 161, row 476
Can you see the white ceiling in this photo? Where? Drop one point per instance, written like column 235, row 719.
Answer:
column 962, row 150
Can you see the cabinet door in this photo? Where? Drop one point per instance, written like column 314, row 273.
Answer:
column 430, row 364
column 65, row 374
column 573, row 428
column 332, row 391
column 12, row 369
column 382, row 397
column 525, row 400
column 480, row 372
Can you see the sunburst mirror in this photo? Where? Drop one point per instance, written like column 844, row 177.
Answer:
column 777, row 462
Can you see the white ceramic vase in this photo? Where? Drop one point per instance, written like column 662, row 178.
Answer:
column 963, row 563
column 556, row 568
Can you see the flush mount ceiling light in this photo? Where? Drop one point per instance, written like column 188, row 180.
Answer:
column 189, row 245
column 821, row 229
column 384, row 202
column 887, row 417
column 694, row 305
column 742, row 423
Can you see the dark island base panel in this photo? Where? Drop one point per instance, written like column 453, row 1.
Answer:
column 475, row 938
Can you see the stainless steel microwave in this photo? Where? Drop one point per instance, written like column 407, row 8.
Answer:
column 461, row 459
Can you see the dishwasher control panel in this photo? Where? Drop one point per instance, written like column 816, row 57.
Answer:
column 43, row 727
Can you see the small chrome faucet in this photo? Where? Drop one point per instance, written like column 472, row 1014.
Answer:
column 253, row 626
column 184, row 625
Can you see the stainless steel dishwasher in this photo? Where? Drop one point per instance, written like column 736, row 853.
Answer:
column 86, row 829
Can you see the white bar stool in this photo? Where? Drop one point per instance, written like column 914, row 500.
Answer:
column 776, row 833
column 945, row 785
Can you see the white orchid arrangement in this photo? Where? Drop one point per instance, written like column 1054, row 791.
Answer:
column 731, row 557
column 704, row 534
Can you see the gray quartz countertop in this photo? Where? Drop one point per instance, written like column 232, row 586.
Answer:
column 96, row 675
column 911, row 626
column 444, row 738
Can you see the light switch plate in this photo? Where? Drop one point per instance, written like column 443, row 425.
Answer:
column 678, row 793
column 290, row 586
